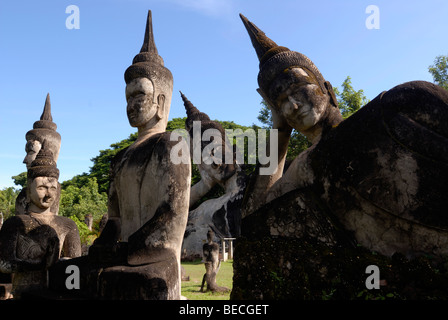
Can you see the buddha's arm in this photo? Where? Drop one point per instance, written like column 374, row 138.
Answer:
column 112, row 230
column 261, row 184
column 161, row 236
column 200, row 189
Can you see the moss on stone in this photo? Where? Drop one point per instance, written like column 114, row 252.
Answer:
column 284, row 268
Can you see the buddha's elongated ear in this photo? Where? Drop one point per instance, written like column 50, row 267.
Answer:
column 330, row 90
column 160, row 106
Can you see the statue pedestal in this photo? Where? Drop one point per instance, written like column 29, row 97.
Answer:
column 292, row 249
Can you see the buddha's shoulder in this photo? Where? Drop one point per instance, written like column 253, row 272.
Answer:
column 17, row 221
column 159, row 144
column 415, row 94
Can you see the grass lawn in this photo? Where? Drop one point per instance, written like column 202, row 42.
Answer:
column 196, row 270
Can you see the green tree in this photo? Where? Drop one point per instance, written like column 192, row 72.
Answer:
column 20, row 179
column 101, row 163
column 80, row 197
column 439, row 71
column 8, row 201
column 87, row 237
column 176, row 123
column 349, row 99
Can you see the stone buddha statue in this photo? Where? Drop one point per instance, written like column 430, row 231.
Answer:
column 43, row 134
column 222, row 214
column 148, row 194
column 31, row 243
column 382, row 172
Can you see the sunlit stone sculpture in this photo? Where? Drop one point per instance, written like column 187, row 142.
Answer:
column 137, row 255
column 31, row 243
column 373, row 182
column 381, row 171
column 43, row 135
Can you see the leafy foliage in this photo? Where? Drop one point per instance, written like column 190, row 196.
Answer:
column 101, row 163
column 7, row 201
column 86, row 236
column 349, row 99
column 439, row 71
column 80, row 197
column 20, row 179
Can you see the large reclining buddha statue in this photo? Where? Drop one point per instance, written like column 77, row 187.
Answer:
column 382, row 172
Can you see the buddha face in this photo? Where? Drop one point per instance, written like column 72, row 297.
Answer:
column 42, row 193
column 214, row 155
column 140, row 96
column 32, row 148
column 303, row 103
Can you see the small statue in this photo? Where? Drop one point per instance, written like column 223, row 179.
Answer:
column 222, row 214
column 43, row 135
column 212, row 264
column 31, row 243
column 382, row 172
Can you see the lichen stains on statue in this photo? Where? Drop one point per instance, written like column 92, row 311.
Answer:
column 148, row 194
column 31, row 243
column 382, row 172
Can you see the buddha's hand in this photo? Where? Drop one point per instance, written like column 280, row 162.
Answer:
column 279, row 122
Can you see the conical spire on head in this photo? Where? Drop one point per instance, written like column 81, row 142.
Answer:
column 148, row 43
column 192, row 111
column 46, row 114
column 193, row 114
column 275, row 60
column 44, row 130
column 264, row 46
column 46, row 120
column 147, row 63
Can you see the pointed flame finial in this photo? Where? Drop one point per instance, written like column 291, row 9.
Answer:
column 46, row 114
column 148, row 42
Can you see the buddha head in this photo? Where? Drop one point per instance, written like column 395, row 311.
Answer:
column 291, row 83
column 213, row 163
column 43, row 132
column 42, row 183
column 149, row 85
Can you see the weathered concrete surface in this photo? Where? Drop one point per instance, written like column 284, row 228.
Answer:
column 383, row 171
column 378, row 181
column 287, row 253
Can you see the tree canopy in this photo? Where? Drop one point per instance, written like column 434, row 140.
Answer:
column 439, row 71
column 349, row 100
column 8, row 201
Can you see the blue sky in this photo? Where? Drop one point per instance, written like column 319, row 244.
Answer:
column 206, row 47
